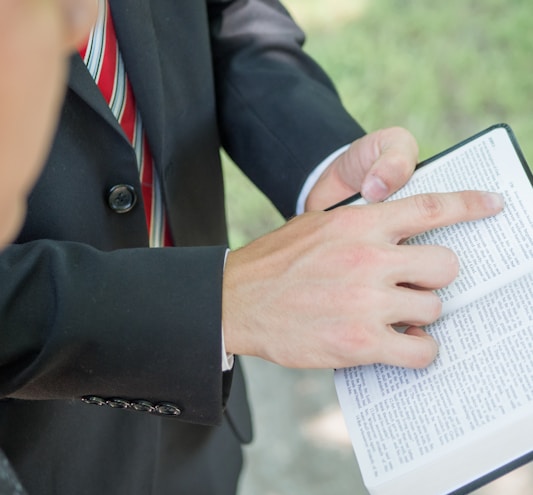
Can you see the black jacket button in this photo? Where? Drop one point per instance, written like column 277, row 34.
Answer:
column 121, row 198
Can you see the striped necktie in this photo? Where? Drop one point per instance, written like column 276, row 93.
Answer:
column 104, row 61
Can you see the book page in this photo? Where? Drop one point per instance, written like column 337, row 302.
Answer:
column 483, row 376
column 400, row 419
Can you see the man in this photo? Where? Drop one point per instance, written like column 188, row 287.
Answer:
column 116, row 359
column 35, row 40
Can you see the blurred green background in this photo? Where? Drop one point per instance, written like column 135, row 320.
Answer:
column 444, row 70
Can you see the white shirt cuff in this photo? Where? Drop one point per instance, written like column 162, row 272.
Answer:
column 314, row 176
column 227, row 359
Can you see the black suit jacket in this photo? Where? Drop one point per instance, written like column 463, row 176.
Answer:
column 110, row 351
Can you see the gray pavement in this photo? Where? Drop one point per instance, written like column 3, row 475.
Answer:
column 301, row 445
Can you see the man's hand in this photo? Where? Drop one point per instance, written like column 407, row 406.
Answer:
column 36, row 37
column 325, row 290
column 375, row 165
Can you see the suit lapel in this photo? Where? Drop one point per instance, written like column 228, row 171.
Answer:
column 138, row 46
column 82, row 83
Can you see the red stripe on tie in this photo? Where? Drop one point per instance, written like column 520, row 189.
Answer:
column 128, row 117
column 147, row 181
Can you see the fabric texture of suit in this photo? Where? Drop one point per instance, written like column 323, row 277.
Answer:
column 87, row 310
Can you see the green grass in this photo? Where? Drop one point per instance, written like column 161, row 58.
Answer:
column 444, row 70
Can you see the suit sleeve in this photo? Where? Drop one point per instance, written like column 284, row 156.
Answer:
column 77, row 321
column 279, row 113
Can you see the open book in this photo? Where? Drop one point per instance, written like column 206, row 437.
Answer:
column 468, row 417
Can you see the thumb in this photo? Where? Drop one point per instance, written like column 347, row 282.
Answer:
column 396, row 157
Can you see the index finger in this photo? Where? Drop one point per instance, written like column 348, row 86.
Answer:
column 416, row 214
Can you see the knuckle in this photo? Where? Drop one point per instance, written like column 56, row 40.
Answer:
column 400, row 164
column 429, row 206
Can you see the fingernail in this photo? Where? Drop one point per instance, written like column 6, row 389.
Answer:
column 374, row 189
column 494, row 201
